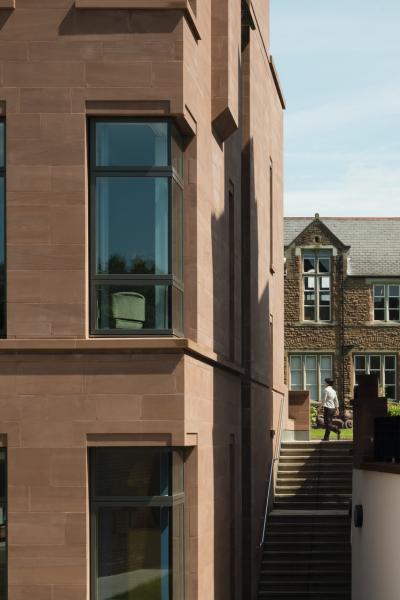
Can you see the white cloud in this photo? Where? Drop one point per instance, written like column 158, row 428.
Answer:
column 365, row 190
column 363, row 105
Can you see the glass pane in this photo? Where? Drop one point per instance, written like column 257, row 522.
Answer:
column 309, row 265
column 177, row 151
column 393, row 314
column 313, row 389
column 3, row 488
column 379, row 290
column 132, row 307
column 2, row 144
column 125, row 144
column 379, row 302
column 390, row 377
column 2, row 228
column 324, row 313
column 325, row 362
column 177, row 231
column 309, row 313
column 2, row 308
column 132, row 225
column 311, row 378
column 379, row 315
column 390, row 392
column 393, row 302
column 133, row 558
column 309, row 298
column 360, row 363
column 309, row 283
column 177, row 310
column 295, row 362
column 375, row 363
column 324, row 265
column 131, row 472
column 390, row 362
column 324, row 283
column 393, row 290
column 324, row 298
column 296, row 379
column 311, row 363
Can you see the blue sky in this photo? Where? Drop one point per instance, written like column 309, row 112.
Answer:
column 339, row 65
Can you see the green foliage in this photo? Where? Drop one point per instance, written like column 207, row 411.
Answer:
column 394, row 409
column 313, row 415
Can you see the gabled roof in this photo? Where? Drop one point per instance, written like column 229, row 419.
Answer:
column 374, row 242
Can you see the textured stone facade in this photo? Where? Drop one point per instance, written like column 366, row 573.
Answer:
column 352, row 329
column 215, row 393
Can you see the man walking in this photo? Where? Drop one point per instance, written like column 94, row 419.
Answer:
column 330, row 404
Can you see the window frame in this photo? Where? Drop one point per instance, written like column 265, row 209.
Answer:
column 382, row 356
column 171, row 280
column 303, row 356
column 386, row 309
column 97, row 502
column 316, row 275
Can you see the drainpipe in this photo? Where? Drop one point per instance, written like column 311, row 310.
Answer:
column 342, row 330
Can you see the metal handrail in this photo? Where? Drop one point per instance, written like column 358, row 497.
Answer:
column 271, row 469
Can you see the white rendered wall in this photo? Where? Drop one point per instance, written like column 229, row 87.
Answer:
column 376, row 546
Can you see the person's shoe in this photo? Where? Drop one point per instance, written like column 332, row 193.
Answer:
column 338, row 433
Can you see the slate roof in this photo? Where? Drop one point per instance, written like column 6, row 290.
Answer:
column 374, row 242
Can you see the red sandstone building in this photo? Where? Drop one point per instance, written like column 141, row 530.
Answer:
column 141, row 358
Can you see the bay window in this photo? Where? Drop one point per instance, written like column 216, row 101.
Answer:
column 137, row 523
column 136, row 204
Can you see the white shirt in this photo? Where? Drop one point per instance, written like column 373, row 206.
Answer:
column 330, row 399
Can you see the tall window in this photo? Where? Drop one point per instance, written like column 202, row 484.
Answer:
column 308, row 372
column 136, row 173
column 271, row 217
column 382, row 365
column 2, row 232
column 3, row 525
column 136, row 497
column 387, row 302
column 317, row 265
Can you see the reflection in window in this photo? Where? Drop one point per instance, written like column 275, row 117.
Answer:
column 317, row 285
column 308, row 372
column 137, row 523
column 136, row 235
column 3, row 525
column 382, row 365
column 387, row 302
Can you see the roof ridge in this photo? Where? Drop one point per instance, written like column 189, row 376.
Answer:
column 346, row 218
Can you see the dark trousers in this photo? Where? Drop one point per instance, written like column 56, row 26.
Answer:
column 329, row 413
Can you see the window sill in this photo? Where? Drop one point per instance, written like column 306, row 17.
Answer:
column 123, row 345
column 141, row 5
column 383, row 323
column 315, row 324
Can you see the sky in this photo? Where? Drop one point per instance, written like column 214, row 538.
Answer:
column 339, row 66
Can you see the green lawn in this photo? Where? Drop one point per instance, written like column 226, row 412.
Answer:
column 318, row 434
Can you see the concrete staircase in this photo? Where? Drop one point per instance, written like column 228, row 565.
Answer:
column 306, row 554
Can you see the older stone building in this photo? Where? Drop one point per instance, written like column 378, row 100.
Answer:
column 342, row 302
column 141, row 318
